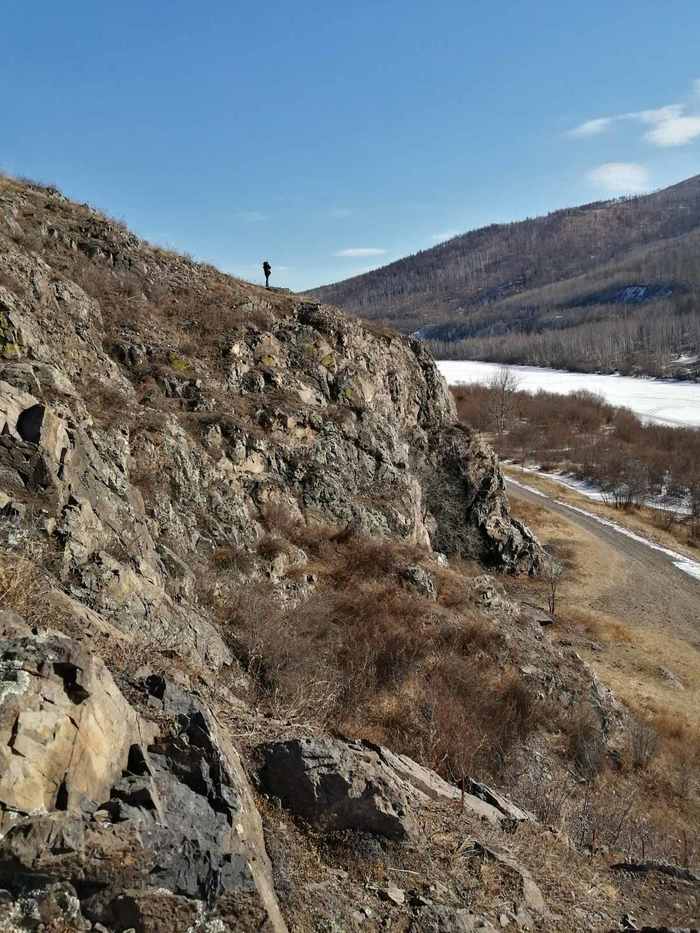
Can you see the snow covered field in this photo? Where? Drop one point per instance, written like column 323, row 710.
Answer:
column 673, row 403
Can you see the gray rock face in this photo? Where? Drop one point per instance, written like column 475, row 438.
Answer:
column 342, row 784
column 419, row 580
column 168, row 452
column 93, row 796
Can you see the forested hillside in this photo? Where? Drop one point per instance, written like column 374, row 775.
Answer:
column 613, row 285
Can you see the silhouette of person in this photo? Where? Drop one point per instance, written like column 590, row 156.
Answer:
column 267, row 269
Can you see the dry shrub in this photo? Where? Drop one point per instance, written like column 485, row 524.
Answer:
column 372, row 659
column 644, row 744
column 586, row 743
column 271, row 546
column 476, row 714
column 22, row 587
column 583, row 434
column 278, row 518
column 229, row 557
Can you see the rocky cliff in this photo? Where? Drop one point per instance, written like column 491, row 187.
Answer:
column 232, row 521
column 149, row 414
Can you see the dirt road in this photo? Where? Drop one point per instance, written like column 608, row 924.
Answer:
column 647, row 555
column 649, row 608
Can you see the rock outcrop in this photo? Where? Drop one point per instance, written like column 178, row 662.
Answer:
column 117, row 808
column 344, row 784
column 151, row 407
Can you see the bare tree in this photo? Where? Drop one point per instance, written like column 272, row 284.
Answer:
column 504, row 385
column 554, row 571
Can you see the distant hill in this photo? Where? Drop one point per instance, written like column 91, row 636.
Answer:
column 609, row 285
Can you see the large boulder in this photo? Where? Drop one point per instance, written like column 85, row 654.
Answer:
column 94, row 796
column 65, row 729
column 345, row 784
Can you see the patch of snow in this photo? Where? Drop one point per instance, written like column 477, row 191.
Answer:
column 591, row 491
column 670, row 402
column 683, row 563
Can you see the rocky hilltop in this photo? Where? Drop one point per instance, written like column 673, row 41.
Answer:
column 236, row 527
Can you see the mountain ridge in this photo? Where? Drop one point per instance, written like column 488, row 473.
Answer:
column 500, row 280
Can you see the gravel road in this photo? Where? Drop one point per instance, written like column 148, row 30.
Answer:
column 651, row 590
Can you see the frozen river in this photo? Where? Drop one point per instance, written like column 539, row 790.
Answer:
column 673, row 403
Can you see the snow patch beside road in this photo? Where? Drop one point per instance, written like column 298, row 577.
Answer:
column 591, row 491
column 683, row 563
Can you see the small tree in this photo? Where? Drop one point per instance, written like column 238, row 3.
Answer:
column 504, row 385
column 554, row 571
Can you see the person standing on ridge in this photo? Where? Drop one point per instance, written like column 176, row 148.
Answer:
column 267, row 269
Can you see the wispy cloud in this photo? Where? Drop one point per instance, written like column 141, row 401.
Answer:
column 358, row 251
column 592, row 127
column 672, row 125
column 445, row 235
column 620, row 177
column 252, row 217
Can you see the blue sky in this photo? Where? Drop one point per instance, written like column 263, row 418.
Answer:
column 331, row 138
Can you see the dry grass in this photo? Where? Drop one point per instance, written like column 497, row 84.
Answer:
column 364, row 655
column 22, row 586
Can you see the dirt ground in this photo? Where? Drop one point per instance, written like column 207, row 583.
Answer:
column 637, row 617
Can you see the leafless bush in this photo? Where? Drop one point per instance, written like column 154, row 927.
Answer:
column 644, row 744
column 229, row 557
column 586, row 743
column 378, row 663
column 553, row 574
column 272, row 546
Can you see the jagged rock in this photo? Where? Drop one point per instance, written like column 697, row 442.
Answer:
column 489, row 594
column 65, row 729
column 663, row 868
column 343, row 784
column 54, row 907
column 92, row 795
column 394, row 894
column 465, row 494
column 419, row 579
column 530, row 892
column 339, row 785
column 492, row 797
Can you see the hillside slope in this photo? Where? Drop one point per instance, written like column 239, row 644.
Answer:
column 237, row 527
column 606, row 285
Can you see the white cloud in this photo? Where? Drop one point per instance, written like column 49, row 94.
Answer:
column 672, row 125
column 592, row 127
column 660, row 115
column 620, row 177
column 356, row 251
column 445, row 235
column 678, row 131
